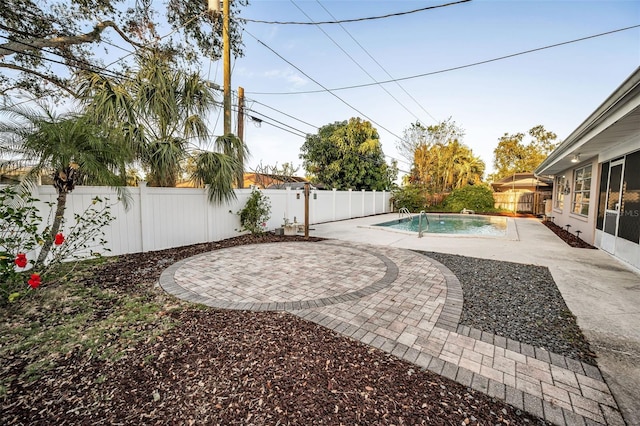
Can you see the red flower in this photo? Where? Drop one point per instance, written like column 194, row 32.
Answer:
column 21, row 260
column 59, row 239
column 34, row 281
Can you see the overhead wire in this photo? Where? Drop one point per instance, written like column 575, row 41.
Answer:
column 267, row 120
column 33, row 55
column 284, row 113
column 357, row 63
column 321, row 85
column 426, row 74
column 371, row 18
column 380, row 65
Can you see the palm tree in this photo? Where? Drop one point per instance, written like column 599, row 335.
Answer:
column 233, row 147
column 161, row 112
column 69, row 147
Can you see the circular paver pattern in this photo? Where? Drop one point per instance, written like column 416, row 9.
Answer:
column 276, row 276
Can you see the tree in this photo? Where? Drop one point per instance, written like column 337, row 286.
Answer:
column 37, row 37
column 347, row 155
column 159, row 111
column 418, row 135
column 70, row 147
column 274, row 176
column 441, row 162
column 512, row 155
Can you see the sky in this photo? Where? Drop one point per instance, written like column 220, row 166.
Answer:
column 557, row 87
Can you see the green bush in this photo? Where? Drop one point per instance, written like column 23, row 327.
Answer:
column 409, row 196
column 255, row 214
column 471, row 197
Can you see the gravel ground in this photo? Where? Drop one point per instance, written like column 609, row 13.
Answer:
column 518, row 301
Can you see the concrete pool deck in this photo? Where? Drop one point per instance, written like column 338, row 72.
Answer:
column 364, row 283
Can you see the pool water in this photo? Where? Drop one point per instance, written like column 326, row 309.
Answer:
column 452, row 224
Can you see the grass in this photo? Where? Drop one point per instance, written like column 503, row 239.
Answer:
column 70, row 315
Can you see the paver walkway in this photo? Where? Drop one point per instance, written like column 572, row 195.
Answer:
column 403, row 303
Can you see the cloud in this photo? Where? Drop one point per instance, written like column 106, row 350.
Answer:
column 288, row 75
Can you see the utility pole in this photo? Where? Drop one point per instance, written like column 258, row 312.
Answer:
column 214, row 9
column 226, row 57
column 240, row 135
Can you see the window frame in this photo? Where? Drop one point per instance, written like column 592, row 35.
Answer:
column 558, row 187
column 581, row 191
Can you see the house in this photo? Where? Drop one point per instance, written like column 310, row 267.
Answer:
column 596, row 175
column 522, row 192
column 271, row 181
column 522, row 182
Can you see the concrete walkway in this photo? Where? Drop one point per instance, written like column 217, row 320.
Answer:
column 364, row 284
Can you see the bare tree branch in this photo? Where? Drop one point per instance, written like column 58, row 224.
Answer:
column 49, row 78
column 37, row 43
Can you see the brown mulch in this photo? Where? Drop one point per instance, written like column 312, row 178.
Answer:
column 566, row 236
column 238, row 367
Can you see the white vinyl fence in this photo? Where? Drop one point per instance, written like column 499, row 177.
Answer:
column 160, row 218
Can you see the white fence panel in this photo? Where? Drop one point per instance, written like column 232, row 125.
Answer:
column 344, row 205
column 161, row 218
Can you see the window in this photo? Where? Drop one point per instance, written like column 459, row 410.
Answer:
column 581, row 191
column 559, row 187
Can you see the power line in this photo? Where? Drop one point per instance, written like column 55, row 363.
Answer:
column 284, row 113
column 33, row 55
column 273, row 119
column 325, row 89
column 381, row 67
column 270, row 118
column 389, row 15
column 301, row 133
column 357, row 64
column 453, row 68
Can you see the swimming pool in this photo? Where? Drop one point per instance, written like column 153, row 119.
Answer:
column 451, row 224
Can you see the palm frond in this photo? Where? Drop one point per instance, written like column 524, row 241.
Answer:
column 217, row 171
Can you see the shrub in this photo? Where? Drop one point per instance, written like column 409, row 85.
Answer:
column 472, row 197
column 409, row 196
column 23, row 232
column 256, row 213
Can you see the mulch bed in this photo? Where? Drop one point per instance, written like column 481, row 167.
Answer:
column 566, row 236
column 237, row 367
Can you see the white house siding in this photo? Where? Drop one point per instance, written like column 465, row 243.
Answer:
column 609, row 136
column 565, row 216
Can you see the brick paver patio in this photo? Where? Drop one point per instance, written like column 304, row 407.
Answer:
column 400, row 302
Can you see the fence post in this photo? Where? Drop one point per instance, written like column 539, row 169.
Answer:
column 362, row 193
column 333, row 194
column 288, row 194
column 207, row 214
column 350, row 204
column 145, row 218
column 374, row 201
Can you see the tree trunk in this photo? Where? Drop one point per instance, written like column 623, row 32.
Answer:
column 55, row 227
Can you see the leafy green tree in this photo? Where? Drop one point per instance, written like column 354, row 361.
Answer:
column 71, row 148
column 37, row 37
column 347, row 155
column 160, row 112
column 441, row 162
column 513, row 155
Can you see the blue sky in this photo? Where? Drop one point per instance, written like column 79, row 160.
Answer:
column 557, row 88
